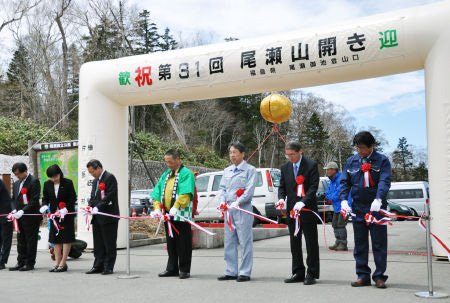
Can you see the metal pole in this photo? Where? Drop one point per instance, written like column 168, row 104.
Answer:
column 128, row 271
column 430, row 293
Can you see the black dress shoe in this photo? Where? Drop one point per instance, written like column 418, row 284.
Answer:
column 185, row 275
column 168, row 274
column 94, row 270
column 2, row 266
column 243, row 278
column 295, row 278
column 309, row 280
column 17, row 267
column 53, row 269
column 26, row 268
column 227, row 277
column 107, row 272
column 61, row 268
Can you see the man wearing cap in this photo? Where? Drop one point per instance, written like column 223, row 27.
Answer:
column 332, row 194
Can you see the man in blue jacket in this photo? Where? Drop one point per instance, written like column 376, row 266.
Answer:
column 368, row 176
column 338, row 223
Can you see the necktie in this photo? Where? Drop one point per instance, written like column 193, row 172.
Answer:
column 96, row 185
column 295, row 170
column 364, row 160
column 235, row 169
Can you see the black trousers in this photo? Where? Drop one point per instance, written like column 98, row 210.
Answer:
column 105, row 245
column 6, row 233
column 309, row 230
column 27, row 241
column 179, row 248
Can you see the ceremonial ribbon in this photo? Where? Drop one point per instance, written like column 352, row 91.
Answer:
column 344, row 213
column 197, row 226
column 13, row 219
column 295, row 214
column 280, row 205
column 166, row 218
column 24, row 191
column 300, row 189
column 223, row 208
column 255, row 215
column 367, row 177
column 86, row 212
column 53, row 217
column 422, row 226
column 372, row 220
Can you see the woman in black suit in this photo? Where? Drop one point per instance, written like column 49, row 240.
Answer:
column 59, row 194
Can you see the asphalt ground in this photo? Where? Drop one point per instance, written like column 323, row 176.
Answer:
column 407, row 270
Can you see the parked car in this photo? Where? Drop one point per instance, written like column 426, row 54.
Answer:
column 399, row 209
column 266, row 190
column 411, row 194
column 141, row 199
column 276, row 214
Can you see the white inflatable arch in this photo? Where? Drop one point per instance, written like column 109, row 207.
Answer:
column 380, row 45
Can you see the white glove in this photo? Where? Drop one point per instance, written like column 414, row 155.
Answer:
column 234, row 204
column 63, row 212
column 173, row 211
column 298, row 206
column 18, row 214
column 279, row 202
column 43, row 209
column 345, row 206
column 376, row 205
column 95, row 210
column 156, row 213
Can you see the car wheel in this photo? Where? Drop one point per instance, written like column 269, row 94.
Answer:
column 256, row 221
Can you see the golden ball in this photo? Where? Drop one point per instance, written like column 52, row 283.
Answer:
column 276, row 108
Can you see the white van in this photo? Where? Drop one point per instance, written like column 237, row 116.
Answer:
column 411, row 194
column 266, row 190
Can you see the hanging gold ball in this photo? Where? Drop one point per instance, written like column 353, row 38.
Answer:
column 276, row 108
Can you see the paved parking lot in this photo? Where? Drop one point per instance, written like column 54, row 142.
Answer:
column 407, row 275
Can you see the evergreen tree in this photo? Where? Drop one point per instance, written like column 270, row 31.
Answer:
column 167, row 41
column 314, row 138
column 420, row 172
column 147, row 37
column 402, row 159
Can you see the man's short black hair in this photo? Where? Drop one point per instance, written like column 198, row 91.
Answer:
column 293, row 145
column 238, row 145
column 365, row 138
column 54, row 170
column 172, row 152
column 94, row 163
column 22, row 167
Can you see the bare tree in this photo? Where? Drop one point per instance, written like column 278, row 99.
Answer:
column 15, row 10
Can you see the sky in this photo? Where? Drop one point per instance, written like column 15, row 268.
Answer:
column 394, row 104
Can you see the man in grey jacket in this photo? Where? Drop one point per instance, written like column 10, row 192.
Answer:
column 238, row 177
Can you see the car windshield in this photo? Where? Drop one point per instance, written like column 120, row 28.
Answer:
column 276, row 175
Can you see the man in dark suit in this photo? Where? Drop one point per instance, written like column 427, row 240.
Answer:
column 298, row 167
column 26, row 194
column 6, row 228
column 104, row 199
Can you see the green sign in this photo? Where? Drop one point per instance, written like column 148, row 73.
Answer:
column 67, row 159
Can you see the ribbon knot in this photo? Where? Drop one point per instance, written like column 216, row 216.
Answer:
column 13, row 219
column 295, row 214
column 280, row 205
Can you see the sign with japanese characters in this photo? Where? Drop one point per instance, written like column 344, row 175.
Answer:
column 308, row 53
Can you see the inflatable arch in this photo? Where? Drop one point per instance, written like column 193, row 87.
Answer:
column 391, row 43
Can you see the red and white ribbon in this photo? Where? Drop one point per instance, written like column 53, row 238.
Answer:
column 434, row 237
column 197, row 226
column 295, row 214
column 87, row 220
column 280, row 205
column 345, row 213
column 53, row 217
column 367, row 176
column 24, row 191
column 255, row 215
column 300, row 190
column 13, row 219
column 223, row 208
column 372, row 220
